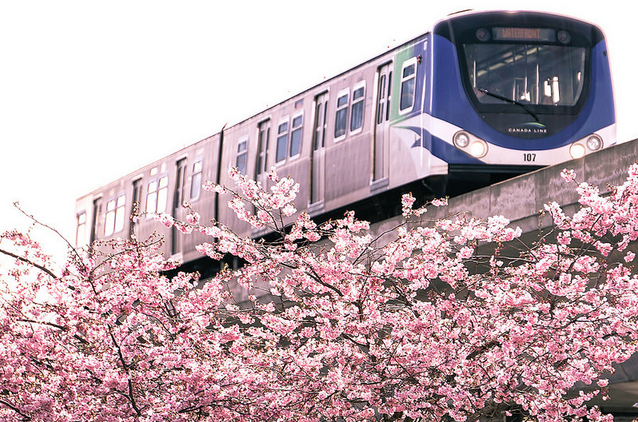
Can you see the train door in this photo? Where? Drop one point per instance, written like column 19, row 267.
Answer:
column 135, row 205
column 97, row 209
column 382, row 122
column 318, row 162
column 263, row 140
column 178, row 201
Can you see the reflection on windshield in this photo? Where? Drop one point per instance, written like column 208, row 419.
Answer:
column 526, row 74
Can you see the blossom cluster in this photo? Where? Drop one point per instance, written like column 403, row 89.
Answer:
column 456, row 318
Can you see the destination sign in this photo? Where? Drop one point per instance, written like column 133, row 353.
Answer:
column 525, row 34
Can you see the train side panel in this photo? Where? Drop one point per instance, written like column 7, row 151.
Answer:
column 343, row 141
column 411, row 156
column 161, row 187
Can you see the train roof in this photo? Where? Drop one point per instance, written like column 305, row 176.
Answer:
column 472, row 13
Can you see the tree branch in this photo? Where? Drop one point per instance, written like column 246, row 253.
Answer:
column 15, row 409
column 29, row 262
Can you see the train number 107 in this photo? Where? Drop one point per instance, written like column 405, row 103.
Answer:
column 529, row 157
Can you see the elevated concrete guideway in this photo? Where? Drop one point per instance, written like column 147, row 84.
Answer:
column 522, row 198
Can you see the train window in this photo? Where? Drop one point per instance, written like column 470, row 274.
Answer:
column 80, row 232
column 282, row 142
column 408, row 79
column 341, row 117
column 109, row 224
column 295, row 135
column 157, row 196
column 381, row 102
column 262, row 147
column 526, row 73
column 114, row 215
column 358, row 97
column 151, row 197
column 120, row 213
column 321, row 118
column 389, row 98
column 162, row 194
column 242, row 156
column 196, row 179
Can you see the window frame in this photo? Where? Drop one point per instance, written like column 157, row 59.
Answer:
column 80, row 229
column 242, row 154
column 412, row 77
column 263, row 143
column 344, row 108
column 114, row 216
column 196, row 179
column 282, row 135
column 357, row 102
column 109, row 218
column 159, row 192
column 120, row 213
column 296, row 130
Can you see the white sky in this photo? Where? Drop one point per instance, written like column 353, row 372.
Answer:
column 90, row 91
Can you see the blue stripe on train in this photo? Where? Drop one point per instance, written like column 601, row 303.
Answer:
column 440, row 148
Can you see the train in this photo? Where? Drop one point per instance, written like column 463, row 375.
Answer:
column 480, row 97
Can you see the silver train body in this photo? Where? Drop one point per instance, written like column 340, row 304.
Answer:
column 480, row 95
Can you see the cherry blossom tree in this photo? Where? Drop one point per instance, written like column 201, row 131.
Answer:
column 454, row 319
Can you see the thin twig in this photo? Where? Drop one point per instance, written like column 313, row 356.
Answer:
column 28, row 261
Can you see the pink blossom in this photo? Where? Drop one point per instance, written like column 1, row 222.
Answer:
column 434, row 320
column 165, row 219
column 569, row 175
column 193, row 218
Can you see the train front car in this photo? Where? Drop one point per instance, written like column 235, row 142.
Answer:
column 514, row 91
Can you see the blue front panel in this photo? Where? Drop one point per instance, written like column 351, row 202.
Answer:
column 450, row 104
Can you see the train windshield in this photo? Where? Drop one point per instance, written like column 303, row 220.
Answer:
column 526, row 74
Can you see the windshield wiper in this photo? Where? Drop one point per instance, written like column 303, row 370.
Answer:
column 509, row 100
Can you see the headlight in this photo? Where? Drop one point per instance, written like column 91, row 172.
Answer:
column 591, row 143
column 577, row 150
column 478, row 149
column 472, row 145
column 461, row 139
column 594, row 142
